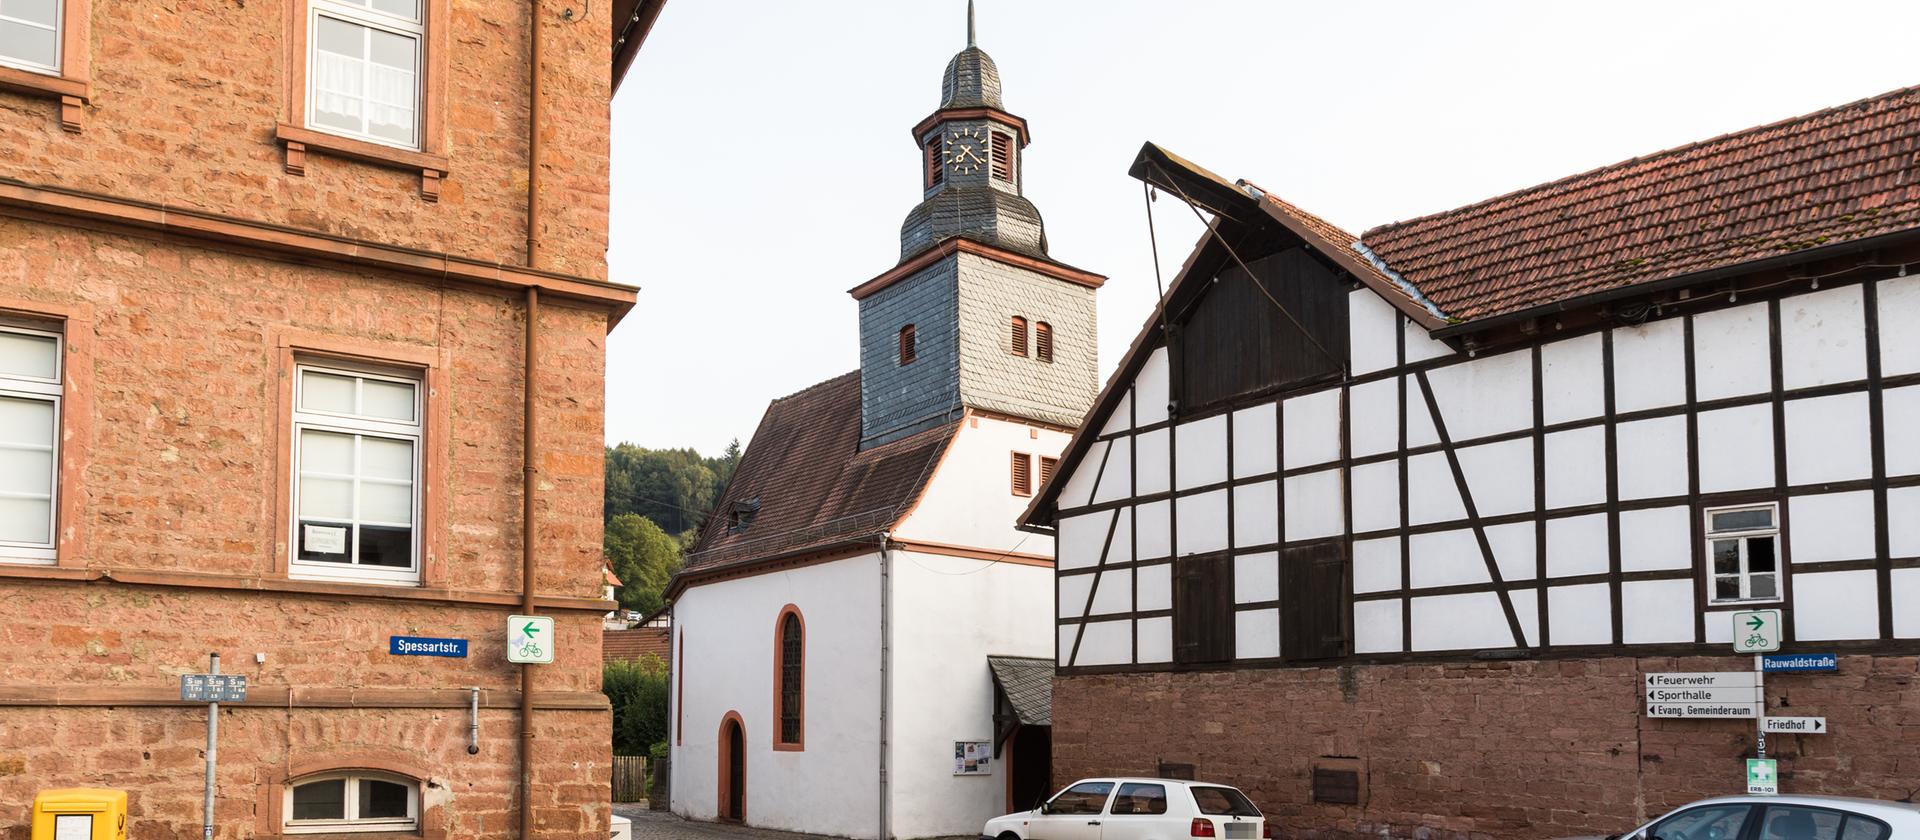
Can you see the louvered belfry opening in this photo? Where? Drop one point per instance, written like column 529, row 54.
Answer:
column 1022, row 474
column 934, row 170
column 1019, row 327
column 1047, row 466
column 790, row 678
column 1043, row 341
column 908, row 352
column 1002, row 156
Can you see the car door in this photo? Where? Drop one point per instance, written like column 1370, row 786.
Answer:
column 1724, row 821
column 1803, row 822
column 1138, row 812
column 1073, row 814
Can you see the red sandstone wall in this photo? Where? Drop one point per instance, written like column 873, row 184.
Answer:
column 1520, row 750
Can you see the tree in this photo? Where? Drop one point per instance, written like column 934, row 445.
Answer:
column 675, row 488
column 638, row 693
column 643, row 557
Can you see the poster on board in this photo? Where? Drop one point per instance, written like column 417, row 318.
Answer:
column 971, row 758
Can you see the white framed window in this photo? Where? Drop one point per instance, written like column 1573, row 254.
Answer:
column 352, row 801
column 30, row 34
column 30, row 393
column 363, row 70
column 356, row 468
column 1743, row 553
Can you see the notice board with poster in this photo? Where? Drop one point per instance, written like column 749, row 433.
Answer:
column 970, row 758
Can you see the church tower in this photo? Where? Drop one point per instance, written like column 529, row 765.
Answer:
column 976, row 314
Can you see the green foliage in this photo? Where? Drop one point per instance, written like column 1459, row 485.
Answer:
column 643, row 557
column 638, row 692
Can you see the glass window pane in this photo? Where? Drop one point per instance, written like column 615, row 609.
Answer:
column 1726, row 557
column 388, row 400
column 26, row 471
column 324, row 800
column 407, row 9
column 1760, row 554
column 386, row 458
column 25, row 422
column 1740, row 520
column 1763, row 587
column 33, row 356
column 326, row 452
column 1714, row 821
column 326, row 498
column 326, row 392
column 1726, row 588
column 382, row 800
column 388, row 503
column 388, row 547
column 1862, row 828
column 340, row 37
column 1087, row 798
column 1789, row 823
column 1140, row 799
column 392, row 50
column 43, row 12
column 29, row 44
column 26, row 520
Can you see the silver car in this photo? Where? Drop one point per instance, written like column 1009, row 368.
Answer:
column 1783, row 818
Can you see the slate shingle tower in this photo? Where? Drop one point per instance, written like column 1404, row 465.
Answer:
column 976, row 314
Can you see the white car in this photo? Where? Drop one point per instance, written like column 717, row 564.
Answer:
column 1137, row 809
column 1783, row 818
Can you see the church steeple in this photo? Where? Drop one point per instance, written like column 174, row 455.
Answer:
column 971, row 172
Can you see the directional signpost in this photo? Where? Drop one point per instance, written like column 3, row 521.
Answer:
column 530, row 639
column 1726, row 694
column 1756, row 631
column 1794, row 725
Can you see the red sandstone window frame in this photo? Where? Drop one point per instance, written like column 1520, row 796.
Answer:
column 429, row 159
column 780, row 743
column 73, row 424
column 71, row 83
column 292, row 348
column 270, row 811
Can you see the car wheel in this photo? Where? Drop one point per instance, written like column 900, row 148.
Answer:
column 1007, row 835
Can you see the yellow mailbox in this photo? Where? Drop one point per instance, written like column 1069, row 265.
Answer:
column 80, row 814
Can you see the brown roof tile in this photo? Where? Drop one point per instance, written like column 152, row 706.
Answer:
column 1834, row 176
column 632, row 645
column 816, row 488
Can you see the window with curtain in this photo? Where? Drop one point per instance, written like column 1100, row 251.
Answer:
column 30, row 394
column 792, row 677
column 356, row 451
column 30, row 34
column 364, row 71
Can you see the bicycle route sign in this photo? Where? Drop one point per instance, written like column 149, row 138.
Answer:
column 1756, row 631
column 530, row 639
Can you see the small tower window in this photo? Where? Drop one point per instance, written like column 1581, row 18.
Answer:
column 1022, row 474
column 934, row 168
column 908, row 352
column 1003, row 156
column 1043, row 341
column 1019, row 330
column 741, row 515
column 1047, row 466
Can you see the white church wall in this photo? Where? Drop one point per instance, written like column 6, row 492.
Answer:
column 969, row 501
column 950, row 614
column 728, row 632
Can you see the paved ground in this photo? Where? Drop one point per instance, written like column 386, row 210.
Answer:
column 660, row 825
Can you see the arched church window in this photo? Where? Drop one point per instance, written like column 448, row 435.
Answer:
column 791, row 668
column 1019, row 327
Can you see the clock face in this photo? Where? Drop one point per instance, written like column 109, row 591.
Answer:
column 966, row 150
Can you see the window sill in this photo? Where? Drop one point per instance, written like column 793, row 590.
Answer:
column 73, row 92
column 298, row 141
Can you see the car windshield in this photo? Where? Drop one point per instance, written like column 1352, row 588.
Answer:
column 1223, row 801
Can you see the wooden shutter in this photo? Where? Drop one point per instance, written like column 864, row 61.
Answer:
column 1003, row 156
column 1313, row 601
column 934, row 171
column 908, row 352
column 1043, row 341
column 1047, row 466
column 1022, row 474
column 1019, row 328
column 1202, row 610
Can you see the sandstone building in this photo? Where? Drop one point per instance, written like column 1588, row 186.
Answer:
column 1392, row 530
column 298, row 300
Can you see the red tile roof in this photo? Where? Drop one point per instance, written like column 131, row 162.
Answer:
column 1839, row 175
column 815, row 486
column 632, row 645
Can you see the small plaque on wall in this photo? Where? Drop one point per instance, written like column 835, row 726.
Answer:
column 972, row 758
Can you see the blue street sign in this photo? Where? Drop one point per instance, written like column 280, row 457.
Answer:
column 1800, row 662
column 425, row 646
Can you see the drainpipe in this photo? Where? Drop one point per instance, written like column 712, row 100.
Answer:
column 886, row 679
column 536, row 104
column 530, row 425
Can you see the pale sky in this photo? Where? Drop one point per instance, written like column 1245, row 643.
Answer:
column 763, row 158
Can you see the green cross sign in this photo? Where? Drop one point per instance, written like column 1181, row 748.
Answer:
column 1763, row 777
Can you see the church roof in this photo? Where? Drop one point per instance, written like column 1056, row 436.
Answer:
column 816, row 489
column 1027, row 683
column 971, row 81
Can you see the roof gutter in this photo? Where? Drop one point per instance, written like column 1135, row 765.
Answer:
column 1870, row 243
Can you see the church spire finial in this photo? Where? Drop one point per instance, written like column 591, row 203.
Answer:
column 970, row 23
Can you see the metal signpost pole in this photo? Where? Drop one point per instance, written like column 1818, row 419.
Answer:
column 213, row 737
column 1760, row 690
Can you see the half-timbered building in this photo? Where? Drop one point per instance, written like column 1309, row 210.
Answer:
column 1388, row 529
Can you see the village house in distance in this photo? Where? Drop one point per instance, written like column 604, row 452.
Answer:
column 862, row 639
column 301, row 352
column 1393, row 531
